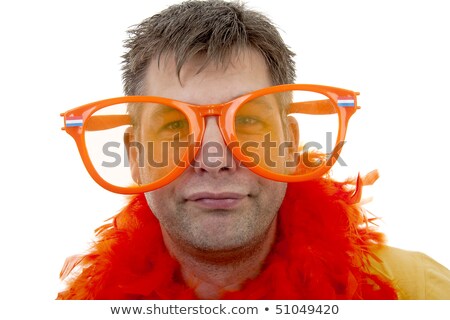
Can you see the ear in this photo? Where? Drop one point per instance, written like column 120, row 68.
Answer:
column 293, row 132
column 133, row 153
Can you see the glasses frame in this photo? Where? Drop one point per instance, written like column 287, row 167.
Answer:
column 226, row 116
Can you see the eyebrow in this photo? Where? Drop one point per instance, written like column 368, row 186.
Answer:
column 160, row 109
column 263, row 99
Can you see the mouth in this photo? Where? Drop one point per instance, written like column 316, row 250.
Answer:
column 221, row 200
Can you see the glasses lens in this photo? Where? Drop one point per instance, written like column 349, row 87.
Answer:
column 137, row 143
column 289, row 133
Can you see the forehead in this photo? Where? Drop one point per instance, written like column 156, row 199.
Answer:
column 212, row 83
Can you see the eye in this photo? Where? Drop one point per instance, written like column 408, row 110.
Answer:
column 245, row 120
column 176, row 125
column 172, row 129
column 250, row 125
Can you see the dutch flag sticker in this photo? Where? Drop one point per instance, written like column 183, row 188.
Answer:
column 74, row 121
column 346, row 102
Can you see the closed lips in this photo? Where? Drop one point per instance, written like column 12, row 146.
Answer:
column 215, row 196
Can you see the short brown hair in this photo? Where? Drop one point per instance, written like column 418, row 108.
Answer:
column 214, row 28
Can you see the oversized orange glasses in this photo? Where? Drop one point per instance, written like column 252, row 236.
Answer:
column 287, row 133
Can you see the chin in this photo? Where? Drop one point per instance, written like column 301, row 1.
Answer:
column 226, row 244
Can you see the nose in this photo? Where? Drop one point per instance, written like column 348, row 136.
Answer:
column 213, row 157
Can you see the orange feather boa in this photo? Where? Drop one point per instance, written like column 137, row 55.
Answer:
column 323, row 243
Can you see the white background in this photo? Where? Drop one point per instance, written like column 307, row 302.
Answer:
column 56, row 55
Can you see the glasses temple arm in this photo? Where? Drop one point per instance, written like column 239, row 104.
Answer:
column 313, row 107
column 105, row 122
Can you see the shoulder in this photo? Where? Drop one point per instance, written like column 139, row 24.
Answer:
column 413, row 274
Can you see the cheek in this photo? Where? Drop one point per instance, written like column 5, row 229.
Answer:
column 159, row 201
column 279, row 188
column 272, row 193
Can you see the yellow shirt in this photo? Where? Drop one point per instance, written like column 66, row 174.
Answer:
column 415, row 275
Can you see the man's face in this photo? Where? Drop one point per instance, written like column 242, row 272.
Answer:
column 211, row 207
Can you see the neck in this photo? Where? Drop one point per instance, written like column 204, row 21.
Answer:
column 211, row 274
